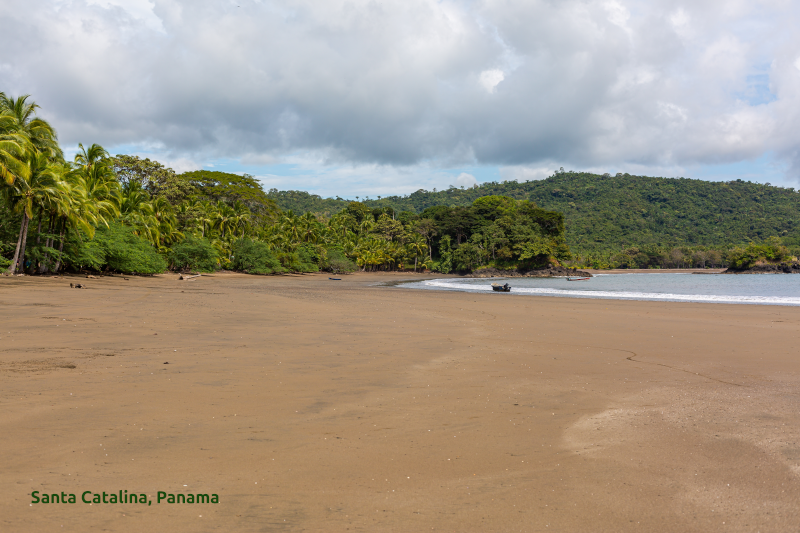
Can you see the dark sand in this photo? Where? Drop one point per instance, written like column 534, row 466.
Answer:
column 313, row 405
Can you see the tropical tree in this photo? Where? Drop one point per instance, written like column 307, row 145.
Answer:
column 13, row 148
column 417, row 247
column 24, row 195
column 38, row 132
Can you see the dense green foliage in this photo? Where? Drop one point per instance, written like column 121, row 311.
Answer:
column 114, row 247
column 195, row 254
column 338, row 263
column 605, row 214
column 231, row 189
column 124, row 251
column 497, row 230
column 254, row 257
column 302, row 202
column 770, row 251
column 132, row 215
column 153, row 177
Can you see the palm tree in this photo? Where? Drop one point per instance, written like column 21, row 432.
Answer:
column 38, row 131
column 96, row 177
column 290, row 226
column 241, row 218
column 26, row 194
column 137, row 211
column 417, row 248
column 67, row 214
column 78, row 213
column 167, row 222
column 94, row 155
column 223, row 218
column 53, row 205
column 309, row 228
column 13, row 148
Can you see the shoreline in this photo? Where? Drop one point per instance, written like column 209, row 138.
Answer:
column 582, row 291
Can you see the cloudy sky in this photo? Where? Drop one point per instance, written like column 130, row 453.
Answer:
column 378, row 97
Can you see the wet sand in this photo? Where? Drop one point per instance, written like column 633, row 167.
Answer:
column 315, row 405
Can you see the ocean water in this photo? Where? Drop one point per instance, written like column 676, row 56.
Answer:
column 759, row 289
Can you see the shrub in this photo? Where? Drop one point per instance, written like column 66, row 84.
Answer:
column 445, row 263
column 127, row 252
column 81, row 252
column 309, row 257
column 770, row 250
column 304, row 259
column 465, row 257
column 338, row 263
column 194, row 254
column 254, row 257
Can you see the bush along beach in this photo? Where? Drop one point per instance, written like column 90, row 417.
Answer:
column 131, row 215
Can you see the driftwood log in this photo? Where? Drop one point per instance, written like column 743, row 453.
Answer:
column 182, row 277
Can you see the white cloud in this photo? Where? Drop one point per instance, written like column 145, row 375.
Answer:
column 679, row 19
column 181, row 164
column 140, row 9
column 258, row 159
column 466, row 180
column 523, row 173
column 402, row 84
column 491, row 78
column 617, row 13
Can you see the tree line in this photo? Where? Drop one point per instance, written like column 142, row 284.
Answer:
column 606, row 214
column 771, row 250
column 134, row 215
column 128, row 214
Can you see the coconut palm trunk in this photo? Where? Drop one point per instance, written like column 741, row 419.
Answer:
column 61, row 238
column 24, row 245
column 48, row 242
column 23, row 230
column 39, row 227
column 13, row 266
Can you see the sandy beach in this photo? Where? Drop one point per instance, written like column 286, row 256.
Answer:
column 314, row 405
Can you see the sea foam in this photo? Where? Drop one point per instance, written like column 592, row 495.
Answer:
column 620, row 295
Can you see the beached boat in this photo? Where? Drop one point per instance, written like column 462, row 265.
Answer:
column 578, row 279
column 501, row 288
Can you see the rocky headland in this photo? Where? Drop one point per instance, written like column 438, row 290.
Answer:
column 768, row 268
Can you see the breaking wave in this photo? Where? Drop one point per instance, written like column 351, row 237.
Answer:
column 459, row 285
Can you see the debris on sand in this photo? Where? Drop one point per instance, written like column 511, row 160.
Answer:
column 77, row 286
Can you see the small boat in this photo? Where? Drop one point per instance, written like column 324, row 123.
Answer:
column 336, row 279
column 578, row 279
column 501, row 288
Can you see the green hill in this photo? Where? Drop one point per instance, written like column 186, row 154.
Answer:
column 607, row 213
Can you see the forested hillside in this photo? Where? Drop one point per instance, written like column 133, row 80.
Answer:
column 606, row 213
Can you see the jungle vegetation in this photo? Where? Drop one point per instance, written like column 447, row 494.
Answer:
column 127, row 214
column 624, row 220
column 133, row 215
